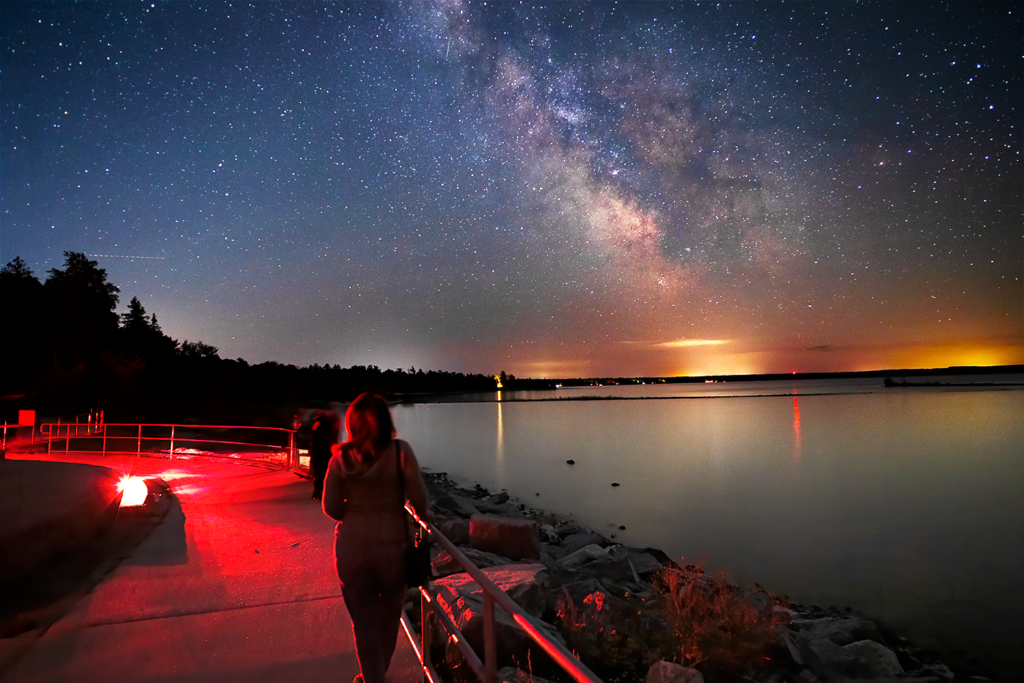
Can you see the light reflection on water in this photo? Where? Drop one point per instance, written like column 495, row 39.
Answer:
column 905, row 503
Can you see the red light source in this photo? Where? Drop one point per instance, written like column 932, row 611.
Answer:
column 133, row 491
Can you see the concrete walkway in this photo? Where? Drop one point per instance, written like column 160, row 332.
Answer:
column 236, row 584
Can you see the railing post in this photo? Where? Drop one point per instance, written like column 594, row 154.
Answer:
column 138, row 448
column 104, row 439
column 67, row 441
column 490, row 655
column 426, row 626
column 171, row 452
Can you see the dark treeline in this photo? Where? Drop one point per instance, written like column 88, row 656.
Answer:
column 67, row 350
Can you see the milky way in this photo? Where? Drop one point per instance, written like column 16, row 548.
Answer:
column 553, row 189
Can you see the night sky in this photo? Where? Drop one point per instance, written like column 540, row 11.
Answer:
column 551, row 189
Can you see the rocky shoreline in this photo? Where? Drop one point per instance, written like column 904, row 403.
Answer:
column 632, row 614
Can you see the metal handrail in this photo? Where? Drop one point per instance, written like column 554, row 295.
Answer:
column 487, row 669
column 87, row 421
column 53, row 431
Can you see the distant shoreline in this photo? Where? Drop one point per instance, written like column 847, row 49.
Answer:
column 565, row 399
column 891, row 379
column 769, row 377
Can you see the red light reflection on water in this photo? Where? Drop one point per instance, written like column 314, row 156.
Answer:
column 798, row 447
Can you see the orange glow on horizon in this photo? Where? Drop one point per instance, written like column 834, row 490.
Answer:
column 711, row 357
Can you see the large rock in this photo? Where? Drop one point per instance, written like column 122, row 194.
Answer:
column 670, row 672
column 873, row 660
column 583, row 556
column 445, row 565
column 457, row 504
column 456, row 531
column 549, row 535
column 825, row 651
column 555, row 552
column 575, row 541
column 839, row 630
column 516, row 539
column 625, row 563
column 618, row 563
column 462, row 600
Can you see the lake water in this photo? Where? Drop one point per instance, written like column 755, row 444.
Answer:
column 906, row 504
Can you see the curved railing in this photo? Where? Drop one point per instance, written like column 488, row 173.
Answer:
column 486, row 670
column 140, row 438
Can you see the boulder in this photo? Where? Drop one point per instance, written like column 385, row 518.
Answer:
column 860, row 659
column 567, row 527
column 824, row 658
column 497, row 498
column 456, row 531
column 622, row 563
column 462, row 600
column 670, row 672
column 445, row 565
column 548, row 534
column 526, row 584
column 555, row 552
column 872, row 660
column 573, row 542
column 516, row 539
column 583, row 556
column 940, row 672
column 507, row 509
column 839, row 630
column 457, row 504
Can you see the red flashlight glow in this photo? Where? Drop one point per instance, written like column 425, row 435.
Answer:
column 133, row 491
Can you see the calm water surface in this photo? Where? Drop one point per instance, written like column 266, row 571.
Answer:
column 906, row 504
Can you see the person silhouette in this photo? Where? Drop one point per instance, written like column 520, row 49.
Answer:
column 323, row 435
column 369, row 478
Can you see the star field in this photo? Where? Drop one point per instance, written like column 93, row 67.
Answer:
column 552, row 189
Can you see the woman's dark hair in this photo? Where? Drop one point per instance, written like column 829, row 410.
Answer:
column 369, row 424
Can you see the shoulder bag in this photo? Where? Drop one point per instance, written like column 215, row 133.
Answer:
column 417, row 554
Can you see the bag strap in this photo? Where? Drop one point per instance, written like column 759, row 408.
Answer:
column 400, row 455
column 401, row 469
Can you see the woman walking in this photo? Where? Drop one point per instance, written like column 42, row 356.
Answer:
column 369, row 478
